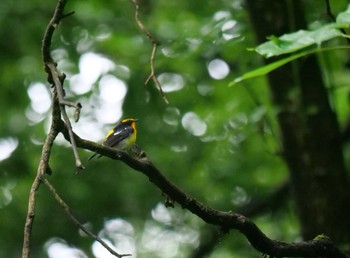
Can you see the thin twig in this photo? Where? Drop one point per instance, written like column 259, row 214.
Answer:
column 155, row 44
column 71, row 104
column 76, row 221
column 77, row 107
column 60, row 94
column 152, row 75
column 54, row 77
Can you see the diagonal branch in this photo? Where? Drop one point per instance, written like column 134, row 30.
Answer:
column 273, row 202
column 320, row 247
column 76, row 222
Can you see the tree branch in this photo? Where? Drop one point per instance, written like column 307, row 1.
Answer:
column 42, row 168
column 226, row 220
column 59, row 88
column 154, row 43
column 273, row 202
column 55, row 78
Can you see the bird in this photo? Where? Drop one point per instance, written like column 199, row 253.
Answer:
column 121, row 137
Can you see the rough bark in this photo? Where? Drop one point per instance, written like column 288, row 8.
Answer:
column 309, row 128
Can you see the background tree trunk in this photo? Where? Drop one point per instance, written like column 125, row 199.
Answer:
column 309, row 128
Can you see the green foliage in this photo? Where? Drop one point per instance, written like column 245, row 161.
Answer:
column 293, row 42
column 301, row 39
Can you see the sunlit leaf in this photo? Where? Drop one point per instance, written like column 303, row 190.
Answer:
column 344, row 17
column 301, row 39
column 292, row 42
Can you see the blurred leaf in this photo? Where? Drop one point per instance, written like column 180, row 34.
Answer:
column 344, row 18
column 261, row 71
column 295, row 41
column 267, row 68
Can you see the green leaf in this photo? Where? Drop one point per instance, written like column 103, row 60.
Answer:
column 344, row 18
column 267, row 68
column 292, row 42
column 273, row 66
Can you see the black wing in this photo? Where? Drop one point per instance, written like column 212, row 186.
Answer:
column 119, row 133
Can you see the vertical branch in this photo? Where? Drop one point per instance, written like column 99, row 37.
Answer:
column 42, row 168
column 57, row 125
column 154, row 43
column 57, row 79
